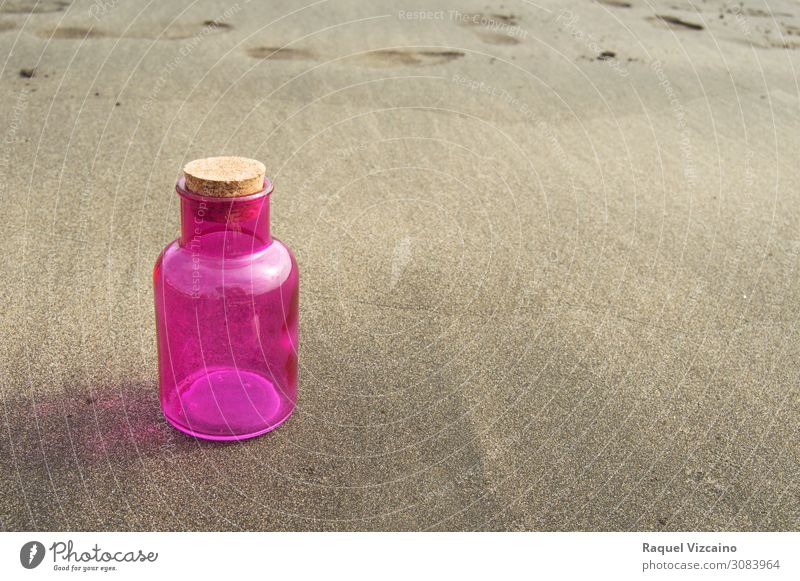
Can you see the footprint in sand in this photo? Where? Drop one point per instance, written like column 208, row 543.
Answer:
column 385, row 58
column 72, row 32
column 615, row 3
column 175, row 32
column 768, row 42
column 674, row 23
column 492, row 28
column 32, row 6
column 408, row 58
column 281, row 54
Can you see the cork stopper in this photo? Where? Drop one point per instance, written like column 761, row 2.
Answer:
column 225, row 177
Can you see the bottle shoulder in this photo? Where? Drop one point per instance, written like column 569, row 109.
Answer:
column 189, row 270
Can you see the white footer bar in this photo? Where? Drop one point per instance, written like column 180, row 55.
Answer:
column 374, row 556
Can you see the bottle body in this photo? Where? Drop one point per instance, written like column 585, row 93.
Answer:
column 226, row 298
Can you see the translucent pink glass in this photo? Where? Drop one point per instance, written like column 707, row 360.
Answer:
column 226, row 296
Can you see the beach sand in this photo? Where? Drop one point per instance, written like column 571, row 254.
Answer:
column 548, row 250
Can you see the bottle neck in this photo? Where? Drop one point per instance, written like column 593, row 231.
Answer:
column 228, row 226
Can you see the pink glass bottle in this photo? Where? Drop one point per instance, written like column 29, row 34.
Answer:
column 226, row 298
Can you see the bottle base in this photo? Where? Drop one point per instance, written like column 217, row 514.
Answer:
column 226, row 404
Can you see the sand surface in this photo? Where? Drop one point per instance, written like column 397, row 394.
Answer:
column 549, row 256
